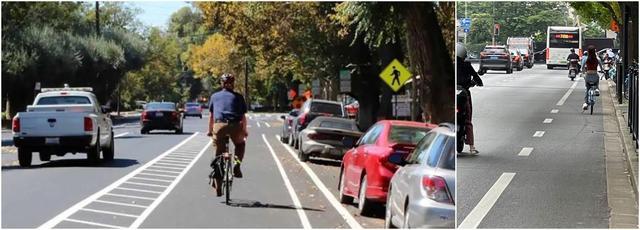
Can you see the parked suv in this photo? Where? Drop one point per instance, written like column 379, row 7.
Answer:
column 311, row 109
column 495, row 58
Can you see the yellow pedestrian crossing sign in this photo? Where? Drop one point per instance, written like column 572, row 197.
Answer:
column 395, row 75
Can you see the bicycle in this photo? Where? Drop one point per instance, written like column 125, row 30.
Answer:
column 591, row 99
column 224, row 182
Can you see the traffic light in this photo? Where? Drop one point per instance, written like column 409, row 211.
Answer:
column 496, row 29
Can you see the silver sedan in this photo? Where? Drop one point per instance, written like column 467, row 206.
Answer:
column 422, row 191
column 323, row 137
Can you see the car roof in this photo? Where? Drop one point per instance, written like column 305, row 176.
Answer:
column 67, row 93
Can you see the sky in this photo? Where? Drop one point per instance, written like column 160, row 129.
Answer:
column 157, row 13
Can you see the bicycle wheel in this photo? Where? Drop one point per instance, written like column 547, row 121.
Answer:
column 228, row 179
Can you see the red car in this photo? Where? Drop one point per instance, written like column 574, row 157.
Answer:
column 366, row 164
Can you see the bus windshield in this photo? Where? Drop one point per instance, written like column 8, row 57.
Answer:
column 564, row 39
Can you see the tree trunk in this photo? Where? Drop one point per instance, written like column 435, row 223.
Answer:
column 428, row 52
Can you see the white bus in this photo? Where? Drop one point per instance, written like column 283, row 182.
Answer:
column 559, row 41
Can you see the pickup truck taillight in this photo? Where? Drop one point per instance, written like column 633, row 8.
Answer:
column 88, row 124
column 15, row 124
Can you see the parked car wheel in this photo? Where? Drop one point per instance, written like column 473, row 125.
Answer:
column 290, row 141
column 108, row 152
column 45, row 156
column 179, row 131
column 144, row 131
column 301, row 155
column 24, row 157
column 387, row 213
column 343, row 198
column 405, row 223
column 364, row 204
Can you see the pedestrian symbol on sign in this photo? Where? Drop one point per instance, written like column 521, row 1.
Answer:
column 396, row 76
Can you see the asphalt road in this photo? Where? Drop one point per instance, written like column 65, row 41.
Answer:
column 161, row 180
column 541, row 161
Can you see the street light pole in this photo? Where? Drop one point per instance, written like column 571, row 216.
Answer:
column 246, row 81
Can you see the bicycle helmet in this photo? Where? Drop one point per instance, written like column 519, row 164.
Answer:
column 573, row 50
column 461, row 52
column 227, row 78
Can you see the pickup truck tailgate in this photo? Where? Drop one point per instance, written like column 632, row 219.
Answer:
column 52, row 124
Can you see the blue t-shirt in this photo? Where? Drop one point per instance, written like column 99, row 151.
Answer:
column 227, row 105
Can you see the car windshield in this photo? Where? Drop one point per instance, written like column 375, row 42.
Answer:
column 321, row 107
column 193, row 104
column 407, row 134
column 64, row 100
column 336, row 125
column 163, row 106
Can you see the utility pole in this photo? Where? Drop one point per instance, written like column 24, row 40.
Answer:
column 493, row 23
column 98, row 18
column 246, row 81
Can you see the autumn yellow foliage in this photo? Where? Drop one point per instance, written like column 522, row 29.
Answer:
column 214, row 57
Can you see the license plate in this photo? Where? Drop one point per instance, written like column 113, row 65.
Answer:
column 159, row 114
column 494, row 58
column 52, row 140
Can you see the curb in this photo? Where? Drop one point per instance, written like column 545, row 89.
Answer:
column 627, row 144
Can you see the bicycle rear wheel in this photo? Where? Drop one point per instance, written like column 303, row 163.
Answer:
column 228, row 179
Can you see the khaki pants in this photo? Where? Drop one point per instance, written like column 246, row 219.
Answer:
column 235, row 132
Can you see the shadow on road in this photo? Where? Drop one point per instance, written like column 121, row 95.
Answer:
column 116, row 163
column 129, row 137
column 466, row 155
column 169, row 132
column 257, row 204
column 326, row 162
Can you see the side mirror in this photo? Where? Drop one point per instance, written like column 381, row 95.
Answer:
column 348, row 142
column 397, row 159
column 105, row 109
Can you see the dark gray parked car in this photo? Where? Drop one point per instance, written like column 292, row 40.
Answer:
column 495, row 58
column 323, row 137
column 311, row 109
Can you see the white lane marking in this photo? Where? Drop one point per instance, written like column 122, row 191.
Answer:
column 486, row 203
column 257, row 122
column 547, row 121
column 566, row 95
column 93, row 223
column 538, row 134
column 121, row 135
column 166, row 192
column 526, row 151
column 120, row 203
column 267, row 124
column 166, row 167
column 287, row 183
column 108, row 212
column 170, row 164
column 151, row 179
column 174, row 161
column 170, row 157
column 73, row 209
column 353, row 224
column 555, row 111
column 146, row 184
column 129, row 196
column 153, row 174
column 153, row 170
column 137, row 190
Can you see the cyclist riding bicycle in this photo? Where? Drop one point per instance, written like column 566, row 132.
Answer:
column 227, row 120
column 591, row 74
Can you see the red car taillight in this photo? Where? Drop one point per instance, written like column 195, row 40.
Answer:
column 547, row 54
column 436, row 189
column 88, row 124
column 15, row 124
column 302, row 119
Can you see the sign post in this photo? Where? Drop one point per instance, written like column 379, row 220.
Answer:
column 345, row 81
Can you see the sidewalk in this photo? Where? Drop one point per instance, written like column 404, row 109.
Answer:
column 621, row 161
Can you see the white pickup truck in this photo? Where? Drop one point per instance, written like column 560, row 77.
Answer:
column 63, row 120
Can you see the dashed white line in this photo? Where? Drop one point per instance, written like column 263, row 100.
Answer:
column 165, row 171
column 526, row 151
column 547, row 121
column 555, row 111
column 566, row 95
column 486, row 203
column 153, row 174
column 121, row 135
column 287, row 183
column 538, row 134
column 108, row 212
column 93, row 223
column 146, row 184
column 258, row 123
column 120, row 203
column 151, row 179
column 170, row 164
column 137, row 190
column 267, row 124
column 353, row 224
column 129, row 196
